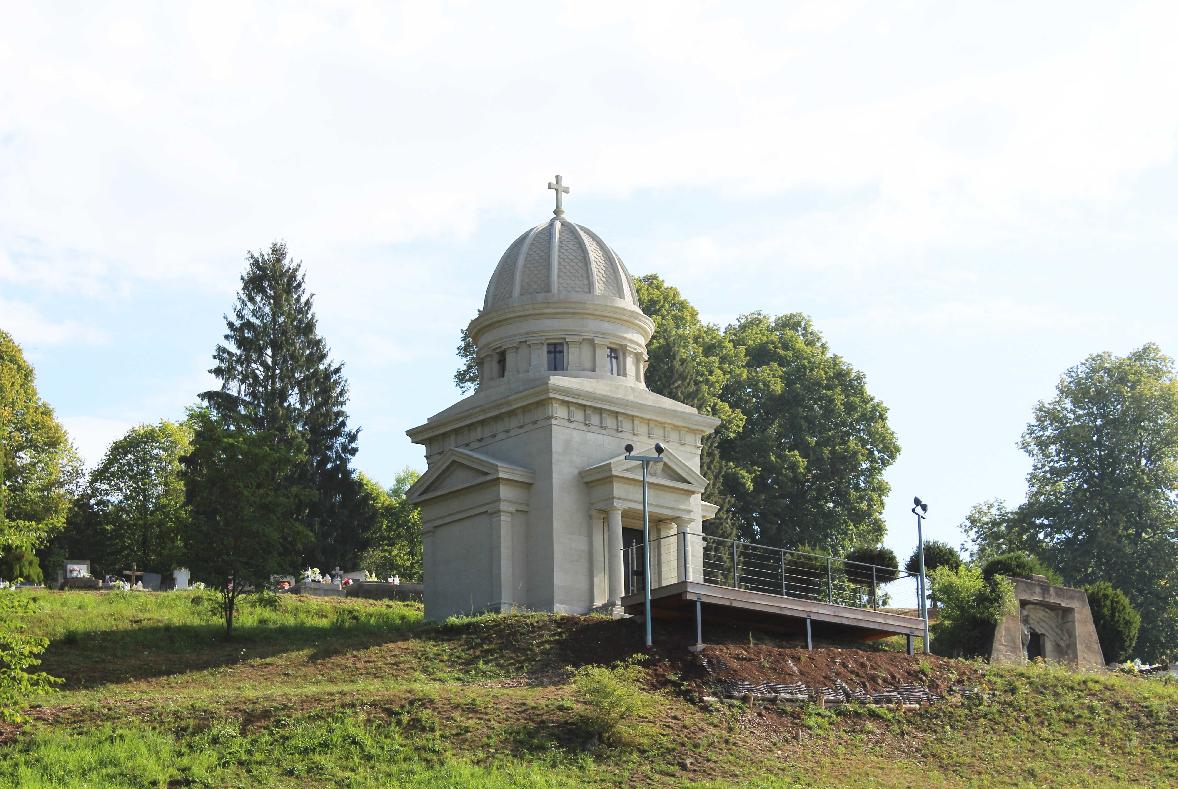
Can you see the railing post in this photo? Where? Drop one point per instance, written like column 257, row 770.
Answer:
column 830, row 579
column 783, row 594
column 874, row 605
column 735, row 569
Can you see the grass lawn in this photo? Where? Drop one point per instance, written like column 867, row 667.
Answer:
column 326, row 692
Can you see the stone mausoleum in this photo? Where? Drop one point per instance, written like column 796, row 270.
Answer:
column 527, row 501
column 1052, row 622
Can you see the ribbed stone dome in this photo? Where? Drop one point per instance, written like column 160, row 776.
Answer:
column 558, row 258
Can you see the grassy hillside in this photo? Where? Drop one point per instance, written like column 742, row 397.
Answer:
column 359, row 693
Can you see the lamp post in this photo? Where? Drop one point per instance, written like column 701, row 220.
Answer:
column 646, row 460
column 920, row 510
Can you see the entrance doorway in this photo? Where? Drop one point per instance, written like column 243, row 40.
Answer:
column 632, row 564
column 1036, row 646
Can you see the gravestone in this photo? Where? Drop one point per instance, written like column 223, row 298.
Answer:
column 151, row 581
column 76, row 575
column 180, row 578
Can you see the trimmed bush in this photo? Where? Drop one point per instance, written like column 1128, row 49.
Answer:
column 936, row 554
column 1019, row 564
column 1117, row 621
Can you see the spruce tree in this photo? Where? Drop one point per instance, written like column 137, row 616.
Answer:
column 277, row 377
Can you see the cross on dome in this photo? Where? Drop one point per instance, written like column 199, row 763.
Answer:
column 559, row 187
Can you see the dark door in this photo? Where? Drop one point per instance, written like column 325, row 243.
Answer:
column 1036, row 648
column 633, row 568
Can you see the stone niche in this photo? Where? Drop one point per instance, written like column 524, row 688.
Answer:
column 1052, row 622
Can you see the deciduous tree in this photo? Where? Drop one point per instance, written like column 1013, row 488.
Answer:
column 814, row 444
column 1102, row 497
column 39, row 469
column 137, row 496
column 248, row 506
column 395, row 538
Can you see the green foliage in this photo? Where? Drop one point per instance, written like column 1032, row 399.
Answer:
column 277, row 377
column 467, row 376
column 39, row 469
column 247, row 507
column 136, row 497
column 807, row 573
column 971, row 605
column 395, row 537
column 18, row 653
column 884, row 568
column 691, row 361
column 936, row 554
column 814, row 444
column 1019, row 564
column 992, row 529
column 20, row 564
column 610, row 698
column 1117, row 621
column 1104, row 471
column 801, row 449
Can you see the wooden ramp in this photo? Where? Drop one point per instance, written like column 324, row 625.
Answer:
column 722, row 604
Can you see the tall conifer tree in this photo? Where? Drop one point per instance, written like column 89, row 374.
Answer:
column 277, row 376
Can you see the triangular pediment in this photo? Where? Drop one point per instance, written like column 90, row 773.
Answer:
column 673, row 469
column 460, row 468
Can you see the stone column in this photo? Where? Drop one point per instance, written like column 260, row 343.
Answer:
column 662, row 560
column 502, row 577
column 599, row 574
column 613, row 546
column 600, row 359
column 689, row 552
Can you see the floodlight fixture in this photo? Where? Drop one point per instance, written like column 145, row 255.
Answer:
column 659, row 448
column 629, row 449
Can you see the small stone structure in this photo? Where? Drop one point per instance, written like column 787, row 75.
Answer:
column 382, row 590
column 1052, row 622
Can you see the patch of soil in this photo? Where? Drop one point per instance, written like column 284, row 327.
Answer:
column 870, row 671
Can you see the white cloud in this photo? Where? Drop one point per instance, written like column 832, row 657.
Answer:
column 163, row 141
column 31, row 328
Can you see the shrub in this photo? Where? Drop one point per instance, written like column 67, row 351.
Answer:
column 936, row 554
column 1117, row 621
column 971, row 605
column 885, row 568
column 20, row 564
column 1019, row 564
column 611, row 697
column 18, row 653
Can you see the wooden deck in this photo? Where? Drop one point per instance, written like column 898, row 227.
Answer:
column 721, row 604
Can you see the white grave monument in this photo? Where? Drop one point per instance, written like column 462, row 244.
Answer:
column 527, row 501
column 181, row 576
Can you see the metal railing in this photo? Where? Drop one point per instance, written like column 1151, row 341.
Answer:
column 751, row 567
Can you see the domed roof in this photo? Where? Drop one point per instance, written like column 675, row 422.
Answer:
column 558, row 258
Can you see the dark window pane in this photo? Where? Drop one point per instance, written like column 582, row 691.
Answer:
column 556, row 356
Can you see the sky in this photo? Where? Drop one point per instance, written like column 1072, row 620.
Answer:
column 967, row 198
